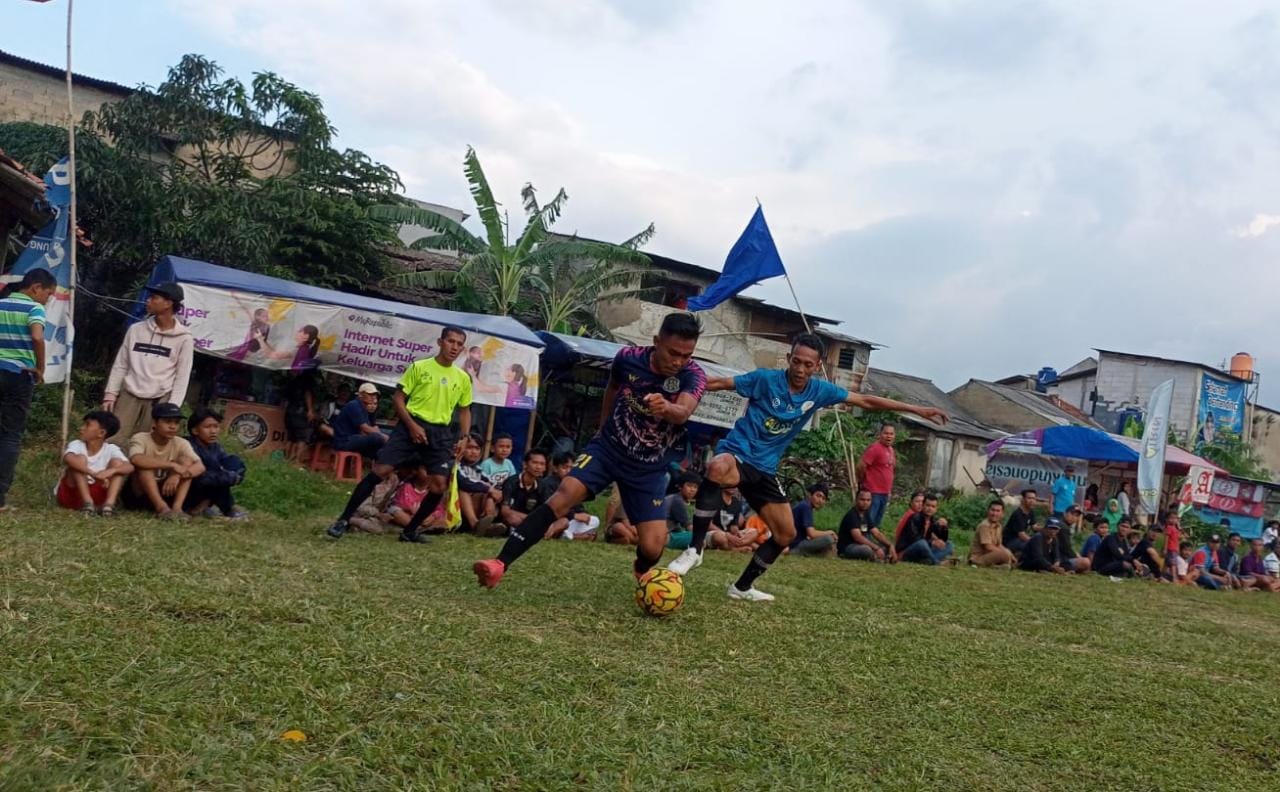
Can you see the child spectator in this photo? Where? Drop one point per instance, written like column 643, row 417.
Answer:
column 408, row 498
column 809, row 540
column 1172, row 536
column 211, row 490
column 728, row 531
column 22, row 321
column 676, row 507
column 1179, row 568
column 95, row 470
column 477, row 497
column 578, row 524
column 499, row 467
column 1101, row 530
column 164, row 465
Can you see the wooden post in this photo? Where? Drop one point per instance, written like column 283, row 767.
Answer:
column 533, row 423
column 488, row 432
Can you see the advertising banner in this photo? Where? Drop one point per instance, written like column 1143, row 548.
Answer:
column 1013, row 472
column 278, row 333
column 1155, row 436
column 720, row 408
column 48, row 249
column 1237, row 497
column 1221, row 410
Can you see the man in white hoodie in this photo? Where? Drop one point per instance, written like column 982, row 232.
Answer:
column 153, row 364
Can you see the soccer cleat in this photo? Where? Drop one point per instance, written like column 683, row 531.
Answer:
column 489, row 572
column 752, row 594
column 338, row 528
column 687, row 561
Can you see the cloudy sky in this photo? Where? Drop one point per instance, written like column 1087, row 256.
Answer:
column 982, row 187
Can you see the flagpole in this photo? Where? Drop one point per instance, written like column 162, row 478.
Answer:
column 72, row 239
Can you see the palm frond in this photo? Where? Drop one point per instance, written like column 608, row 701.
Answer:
column 450, row 235
column 530, row 197
column 486, row 205
column 641, row 239
column 540, row 222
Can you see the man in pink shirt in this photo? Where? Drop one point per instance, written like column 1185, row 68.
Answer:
column 875, row 472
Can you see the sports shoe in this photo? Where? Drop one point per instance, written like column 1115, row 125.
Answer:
column 752, row 594
column 338, row 528
column 489, row 572
column 687, row 561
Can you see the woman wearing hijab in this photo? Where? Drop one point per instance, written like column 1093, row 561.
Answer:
column 1113, row 515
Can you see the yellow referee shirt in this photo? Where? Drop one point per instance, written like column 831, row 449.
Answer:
column 432, row 391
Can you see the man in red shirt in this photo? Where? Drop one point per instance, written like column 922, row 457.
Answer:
column 875, row 472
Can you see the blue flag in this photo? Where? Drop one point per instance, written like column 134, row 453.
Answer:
column 50, row 249
column 753, row 258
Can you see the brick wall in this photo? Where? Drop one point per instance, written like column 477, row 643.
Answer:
column 29, row 96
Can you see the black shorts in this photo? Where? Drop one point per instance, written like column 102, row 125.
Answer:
column 436, row 455
column 296, row 426
column 758, row 488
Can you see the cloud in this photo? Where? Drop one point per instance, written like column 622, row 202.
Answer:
column 1259, row 225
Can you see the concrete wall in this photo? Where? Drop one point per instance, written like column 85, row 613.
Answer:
column 949, row 458
column 1076, row 393
column 1125, row 382
column 31, row 96
column 992, row 409
column 1265, row 438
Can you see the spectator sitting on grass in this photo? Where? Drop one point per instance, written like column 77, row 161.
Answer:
column 372, row 515
column 1205, row 559
column 499, row 467
column 1043, row 552
column 1113, row 556
column 1252, row 567
column 1018, row 528
column 618, row 529
column 729, row 531
column 1144, row 556
column 858, row 539
column 809, row 540
column 1178, row 567
column 578, row 524
column 914, row 507
column 210, row 494
column 915, row 542
column 95, row 470
column 414, row 484
column 164, row 465
column 676, row 507
column 1101, row 530
column 988, row 548
column 478, row 499
column 523, row 493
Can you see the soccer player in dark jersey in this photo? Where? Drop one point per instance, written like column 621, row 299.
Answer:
column 779, row 403
column 652, row 391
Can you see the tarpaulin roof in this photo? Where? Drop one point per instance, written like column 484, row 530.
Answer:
column 565, row 351
column 1093, row 445
column 183, row 270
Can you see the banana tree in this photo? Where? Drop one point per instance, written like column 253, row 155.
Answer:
column 555, row 278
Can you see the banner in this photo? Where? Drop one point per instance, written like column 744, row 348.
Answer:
column 1237, row 497
column 277, row 333
column 1155, row 436
column 1011, row 472
column 1221, row 410
column 48, row 250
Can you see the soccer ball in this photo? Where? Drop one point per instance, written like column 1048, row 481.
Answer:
column 660, row 592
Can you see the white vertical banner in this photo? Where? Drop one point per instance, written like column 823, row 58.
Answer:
column 1155, row 436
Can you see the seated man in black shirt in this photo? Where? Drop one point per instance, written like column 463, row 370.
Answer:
column 1018, row 528
column 1043, row 552
column 916, row 542
column 1112, row 557
column 858, row 538
column 728, row 526
column 523, row 493
column 1144, row 556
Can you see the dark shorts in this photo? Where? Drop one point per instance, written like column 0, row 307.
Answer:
column 758, row 488
column 642, row 488
column 436, row 455
column 296, row 426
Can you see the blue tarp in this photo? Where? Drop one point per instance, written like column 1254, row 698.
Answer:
column 1092, row 445
column 566, row 351
column 201, row 273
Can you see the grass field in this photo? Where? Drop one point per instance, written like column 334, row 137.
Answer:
column 145, row 655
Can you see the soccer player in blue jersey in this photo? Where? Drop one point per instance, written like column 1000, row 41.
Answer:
column 779, row 403
column 652, row 391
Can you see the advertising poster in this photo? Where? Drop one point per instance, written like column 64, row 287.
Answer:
column 1013, row 472
column 1221, row 410
column 272, row 332
column 48, row 249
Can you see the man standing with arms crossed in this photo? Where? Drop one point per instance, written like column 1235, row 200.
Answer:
column 431, row 392
column 875, row 472
column 779, row 403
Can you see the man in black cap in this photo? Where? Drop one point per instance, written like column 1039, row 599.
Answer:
column 1043, row 552
column 153, row 364
column 163, row 465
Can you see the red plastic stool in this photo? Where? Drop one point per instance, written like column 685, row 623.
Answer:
column 321, row 456
column 340, row 460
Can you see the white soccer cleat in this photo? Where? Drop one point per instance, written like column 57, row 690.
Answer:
column 752, row 594
column 689, row 560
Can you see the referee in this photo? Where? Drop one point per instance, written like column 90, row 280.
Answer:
column 430, row 392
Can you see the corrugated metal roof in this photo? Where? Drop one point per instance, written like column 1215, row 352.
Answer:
column 1037, row 403
column 918, row 390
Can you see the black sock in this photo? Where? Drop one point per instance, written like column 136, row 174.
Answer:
column 430, row 502
column 527, row 534
column 359, row 495
column 764, row 557
column 705, row 507
column 643, row 563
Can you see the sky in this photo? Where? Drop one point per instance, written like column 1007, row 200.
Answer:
column 984, row 188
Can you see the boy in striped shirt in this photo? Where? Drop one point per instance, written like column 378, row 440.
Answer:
column 21, row 364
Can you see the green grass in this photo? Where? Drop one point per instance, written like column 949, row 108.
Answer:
column 145, row 655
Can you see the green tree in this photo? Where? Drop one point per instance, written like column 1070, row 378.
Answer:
column 207, row 167
column 553, row 281
column 1237, row 457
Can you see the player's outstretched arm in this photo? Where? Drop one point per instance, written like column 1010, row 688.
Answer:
column 878, row 403
column 719, row 384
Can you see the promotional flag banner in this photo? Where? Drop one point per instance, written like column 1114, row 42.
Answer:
column 1155, row 435
column 49, row 249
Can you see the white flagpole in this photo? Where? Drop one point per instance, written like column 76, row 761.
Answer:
column 72, row 241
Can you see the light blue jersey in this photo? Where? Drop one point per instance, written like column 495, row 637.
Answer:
column 774, row 416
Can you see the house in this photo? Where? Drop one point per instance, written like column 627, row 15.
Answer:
column 743, row 333
column 1016, row 409
column 954, row 456
column 1264, row 436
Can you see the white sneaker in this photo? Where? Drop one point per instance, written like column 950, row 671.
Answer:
column 688, row 560
column 752, row 594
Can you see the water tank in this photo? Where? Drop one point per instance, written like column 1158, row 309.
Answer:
column 1242, row 366
column 1044, row 378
